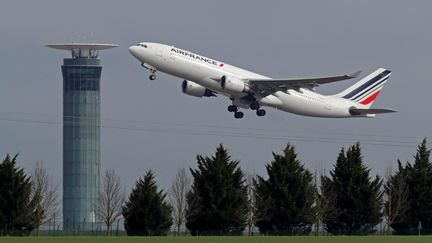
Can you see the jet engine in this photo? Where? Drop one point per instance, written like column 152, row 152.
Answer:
column 233, row 84
column 194, row 89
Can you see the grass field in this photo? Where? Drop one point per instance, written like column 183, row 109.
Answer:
column 261, row 239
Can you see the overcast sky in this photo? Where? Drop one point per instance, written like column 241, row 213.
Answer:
column 153, row 125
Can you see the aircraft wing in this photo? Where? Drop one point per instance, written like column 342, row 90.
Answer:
column 272, row 85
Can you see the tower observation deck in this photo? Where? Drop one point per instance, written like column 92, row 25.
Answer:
column 81, row 133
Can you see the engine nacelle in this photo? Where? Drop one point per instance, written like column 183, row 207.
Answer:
column 233, row 84
column 194, row 89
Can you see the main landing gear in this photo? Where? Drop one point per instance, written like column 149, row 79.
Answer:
column 237, row 114
column 256, row 106
column 261, row 112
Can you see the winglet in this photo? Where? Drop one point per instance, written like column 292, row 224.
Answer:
column 355, row 74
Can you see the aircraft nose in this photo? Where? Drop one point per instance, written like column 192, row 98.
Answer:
column 133, row 50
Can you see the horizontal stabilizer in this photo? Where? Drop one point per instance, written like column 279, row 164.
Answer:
column 356, row 111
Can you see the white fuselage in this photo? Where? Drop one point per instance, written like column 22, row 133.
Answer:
column 207, row 72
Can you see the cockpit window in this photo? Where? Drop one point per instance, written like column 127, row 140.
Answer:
column 142, row 45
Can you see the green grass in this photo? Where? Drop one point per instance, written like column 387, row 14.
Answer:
column 260, row 239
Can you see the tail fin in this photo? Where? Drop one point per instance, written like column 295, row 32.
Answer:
column 365, row 91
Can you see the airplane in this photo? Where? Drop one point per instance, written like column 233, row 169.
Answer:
column 206, row 77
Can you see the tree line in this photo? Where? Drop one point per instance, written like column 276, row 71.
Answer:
column 26, row 201
column 217, row 198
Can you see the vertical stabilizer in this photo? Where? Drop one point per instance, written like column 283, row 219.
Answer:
column 365, row 91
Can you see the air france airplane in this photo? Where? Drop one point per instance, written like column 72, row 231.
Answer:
column 206, row 77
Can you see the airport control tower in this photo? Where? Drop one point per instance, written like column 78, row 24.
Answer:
column 81, row 133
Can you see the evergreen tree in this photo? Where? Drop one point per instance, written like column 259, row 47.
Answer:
column 357, row 197
column 419, row 182
column 16, row 206
column 146, row 213
column 217, row 202
column 285, row 200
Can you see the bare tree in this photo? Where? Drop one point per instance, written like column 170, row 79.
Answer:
column 110, row 199
column 44, row 196
column 396, row 198
column 251, row 193
column 180, row 186
column 324, row 200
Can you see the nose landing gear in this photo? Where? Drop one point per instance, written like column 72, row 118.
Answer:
column 152, row 70
column 152, row 75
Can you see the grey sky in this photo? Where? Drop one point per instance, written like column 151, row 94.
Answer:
column 152, row 125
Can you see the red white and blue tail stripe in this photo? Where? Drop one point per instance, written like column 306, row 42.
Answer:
column 367, row 89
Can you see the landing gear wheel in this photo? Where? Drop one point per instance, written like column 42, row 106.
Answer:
column 254, row 106
column 260, row 112
column 238, row 114
column 232, row 108
column 152, row 77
